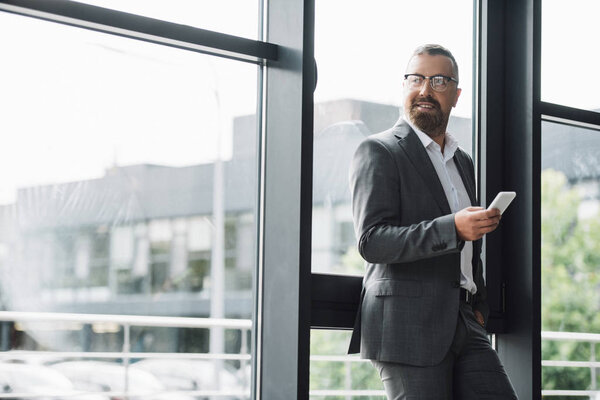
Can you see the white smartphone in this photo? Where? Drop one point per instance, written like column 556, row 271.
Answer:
column 502, row 200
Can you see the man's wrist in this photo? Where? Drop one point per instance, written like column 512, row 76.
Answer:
column 460, row 243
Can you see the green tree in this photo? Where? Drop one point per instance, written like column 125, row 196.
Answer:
column 570, row 280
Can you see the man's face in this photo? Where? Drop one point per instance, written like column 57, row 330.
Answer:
column 427, row 109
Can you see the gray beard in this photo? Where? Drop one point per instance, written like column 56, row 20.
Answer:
column 432, row 124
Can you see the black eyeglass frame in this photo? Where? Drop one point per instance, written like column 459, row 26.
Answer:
column 447, row 79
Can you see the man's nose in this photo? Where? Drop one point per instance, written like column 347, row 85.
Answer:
column 425, row 88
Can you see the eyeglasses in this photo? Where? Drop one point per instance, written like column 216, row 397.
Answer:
column 439, row 83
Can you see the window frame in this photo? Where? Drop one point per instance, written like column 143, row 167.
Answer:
column 508, row 57
column 285, row 85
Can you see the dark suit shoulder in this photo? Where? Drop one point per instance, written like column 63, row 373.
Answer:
column 390, row 137
column 375, row 147
column 387, row 137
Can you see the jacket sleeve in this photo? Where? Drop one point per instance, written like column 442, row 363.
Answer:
column 376, row 204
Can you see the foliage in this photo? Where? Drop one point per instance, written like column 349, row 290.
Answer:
column 331, row 375
column 352, row 262
column 570, row 280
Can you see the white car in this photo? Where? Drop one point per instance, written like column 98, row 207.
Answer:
column 102, row 376
column 197, row 375
column 35, row 380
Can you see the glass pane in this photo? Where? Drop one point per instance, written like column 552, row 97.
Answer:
column 570, row 32
column 360, row 64
column 336, row 375
column 359, row 92
column 570, row 259
column 211, row 15
column 128, row 181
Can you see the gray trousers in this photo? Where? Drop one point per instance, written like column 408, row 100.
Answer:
column 470, row 371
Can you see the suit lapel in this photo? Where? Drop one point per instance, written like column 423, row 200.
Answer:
column 416, row 153
column 463, row 165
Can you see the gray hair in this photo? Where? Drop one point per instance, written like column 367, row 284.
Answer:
column 436, row 50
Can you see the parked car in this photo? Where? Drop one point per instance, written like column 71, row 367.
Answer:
column 38, row 380
column 182, row 374
column 102, row 376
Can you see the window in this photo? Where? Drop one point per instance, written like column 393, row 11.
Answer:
column 569, row 59
column 570, row 262
column 570, row 198
column 359, row 92
column 126, row 172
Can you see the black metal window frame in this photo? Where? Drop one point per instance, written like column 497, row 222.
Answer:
column 570, row 116
column 510, row 160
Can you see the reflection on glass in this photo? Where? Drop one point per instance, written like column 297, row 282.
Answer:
column 570, row 258
column 570, row 31
column 128, row 186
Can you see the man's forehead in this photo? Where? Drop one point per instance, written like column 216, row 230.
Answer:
column 433, row 64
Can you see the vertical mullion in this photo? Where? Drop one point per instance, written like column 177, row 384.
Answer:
column 286, row 215
column 511, row 151
column 306, row 206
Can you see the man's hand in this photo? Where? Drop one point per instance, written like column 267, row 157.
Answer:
column 474, row 222
column 479, row 317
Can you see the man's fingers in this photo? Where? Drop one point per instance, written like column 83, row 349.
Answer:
column 484, row 223
column 482, row 228
column 472, row 223
column 479, row 317
column 488, row 229
column 474, row 208
column 486, row 214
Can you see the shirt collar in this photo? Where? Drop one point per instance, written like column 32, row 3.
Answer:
column 450, row 145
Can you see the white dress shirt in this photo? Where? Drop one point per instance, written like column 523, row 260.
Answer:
column 456, row 193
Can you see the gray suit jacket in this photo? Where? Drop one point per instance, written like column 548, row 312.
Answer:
column 406, row 233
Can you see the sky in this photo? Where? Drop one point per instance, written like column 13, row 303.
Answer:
column 570, row 56
column 75, row 102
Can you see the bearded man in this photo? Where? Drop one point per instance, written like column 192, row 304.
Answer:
column 423, row 308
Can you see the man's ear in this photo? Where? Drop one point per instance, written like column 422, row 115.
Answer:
column 458, row 91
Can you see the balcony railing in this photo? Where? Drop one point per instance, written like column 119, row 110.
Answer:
column 126, row 355
column 243, row 357
column 592, row 339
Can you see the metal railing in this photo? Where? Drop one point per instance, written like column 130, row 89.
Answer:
column 30, row 319
column 33, row 319
column 593, row 364
column 592, row 339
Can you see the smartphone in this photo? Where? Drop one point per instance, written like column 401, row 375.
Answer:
column 502, row 200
